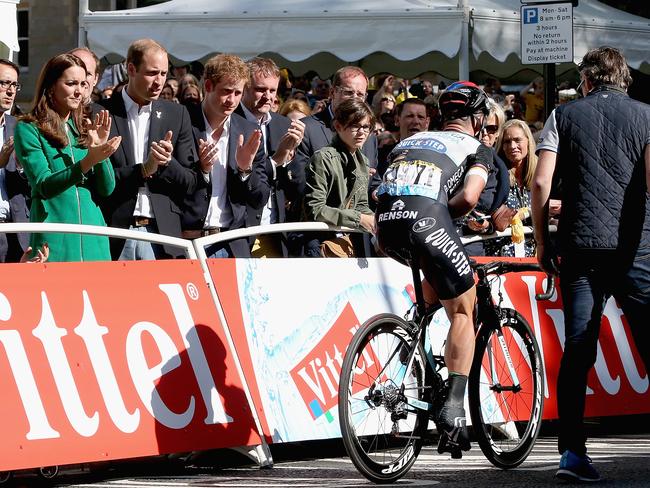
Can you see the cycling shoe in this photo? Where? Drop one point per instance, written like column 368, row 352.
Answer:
column 452, row 427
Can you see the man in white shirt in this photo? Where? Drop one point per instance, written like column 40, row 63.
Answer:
column 231, row 159
column 280, row 138
column 154, row 165
column 14, row 189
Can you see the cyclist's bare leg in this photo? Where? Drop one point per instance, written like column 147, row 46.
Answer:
column 459, row 349
column 459, row 352
column 430, row 295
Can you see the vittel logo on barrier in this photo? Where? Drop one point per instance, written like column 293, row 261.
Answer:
column 616, row 377
column 144, row 371
column 317, row 374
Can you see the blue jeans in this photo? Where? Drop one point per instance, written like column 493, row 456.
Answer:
column 587, row 283
column 218, row 250
column 135, row 250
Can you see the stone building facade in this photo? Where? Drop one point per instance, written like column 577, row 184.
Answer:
column 49, row 27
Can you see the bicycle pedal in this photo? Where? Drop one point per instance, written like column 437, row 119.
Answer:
column 445, row 444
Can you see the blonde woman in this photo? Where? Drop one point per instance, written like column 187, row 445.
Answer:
column 516, row 147
column 295, row 109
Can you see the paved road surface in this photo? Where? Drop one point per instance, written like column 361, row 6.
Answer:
column 624, row 461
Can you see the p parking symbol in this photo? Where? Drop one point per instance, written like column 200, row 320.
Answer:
column 531, row 16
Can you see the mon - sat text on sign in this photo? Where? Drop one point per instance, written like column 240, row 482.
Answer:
column 547, row 33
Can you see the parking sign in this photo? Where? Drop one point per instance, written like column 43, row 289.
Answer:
column 547, row 33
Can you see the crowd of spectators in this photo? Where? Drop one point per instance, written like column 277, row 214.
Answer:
column 240, row 151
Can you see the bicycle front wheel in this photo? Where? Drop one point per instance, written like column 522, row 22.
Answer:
column 382, row 413
column 506, row 390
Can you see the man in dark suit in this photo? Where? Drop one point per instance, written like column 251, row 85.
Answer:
column 14, row 189
column 232, row 170
column 348, row 82
column 280, row 137
column 154, row 163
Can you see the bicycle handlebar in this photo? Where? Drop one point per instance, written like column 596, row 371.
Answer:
column 503, row 267
column 550, row 289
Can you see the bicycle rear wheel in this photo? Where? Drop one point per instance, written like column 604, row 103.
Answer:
column 381, row 427
column 506, row 391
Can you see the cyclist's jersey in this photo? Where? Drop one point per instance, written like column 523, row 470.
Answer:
column 413, row 220
column 433, row 164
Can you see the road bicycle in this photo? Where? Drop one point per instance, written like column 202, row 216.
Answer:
column 391, row 386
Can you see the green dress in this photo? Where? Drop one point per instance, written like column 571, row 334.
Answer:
column 61, row 193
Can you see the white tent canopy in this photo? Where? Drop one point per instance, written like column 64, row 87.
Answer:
column 406, row 37
column 8, row 28
column 496, row 32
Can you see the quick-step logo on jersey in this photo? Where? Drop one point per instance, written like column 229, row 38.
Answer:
column 441, row 240
column 428, row 143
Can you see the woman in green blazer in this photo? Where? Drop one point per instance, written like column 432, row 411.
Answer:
column 65, row 159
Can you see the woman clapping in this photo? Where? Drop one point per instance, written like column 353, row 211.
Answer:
column 66, row 161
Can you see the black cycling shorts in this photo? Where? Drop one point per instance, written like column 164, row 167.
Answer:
column 416, row 226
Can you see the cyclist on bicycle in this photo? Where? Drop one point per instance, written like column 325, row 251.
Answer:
column 432, row 178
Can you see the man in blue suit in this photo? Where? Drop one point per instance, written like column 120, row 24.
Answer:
column 232, row 163
column 14, row 189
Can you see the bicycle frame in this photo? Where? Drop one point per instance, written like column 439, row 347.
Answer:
column 487, row 314
column 407, row 391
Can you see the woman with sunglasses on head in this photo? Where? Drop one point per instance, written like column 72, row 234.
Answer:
column 337, row 180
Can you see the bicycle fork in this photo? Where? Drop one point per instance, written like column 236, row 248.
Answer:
column 495, row 382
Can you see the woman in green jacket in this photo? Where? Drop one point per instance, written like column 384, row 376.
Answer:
column 337, row 175
column 66, row 160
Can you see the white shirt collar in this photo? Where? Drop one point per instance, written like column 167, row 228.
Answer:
column 130, row 104
column 209, row 129
column 266, row 118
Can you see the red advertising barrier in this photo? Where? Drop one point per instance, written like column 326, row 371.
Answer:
column 618, row 385
column 103, row 361
column 117, row 360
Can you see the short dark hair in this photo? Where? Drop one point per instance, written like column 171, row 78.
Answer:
column 410, row 101
column 11, row 64
column 352, row 111
column 606, row 66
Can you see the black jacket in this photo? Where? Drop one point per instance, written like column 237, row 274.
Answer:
column 602, row 139
column 167, row 186
column 252, row 192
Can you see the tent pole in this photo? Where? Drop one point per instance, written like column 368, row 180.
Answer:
column 463, row 53
column 83, row 10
